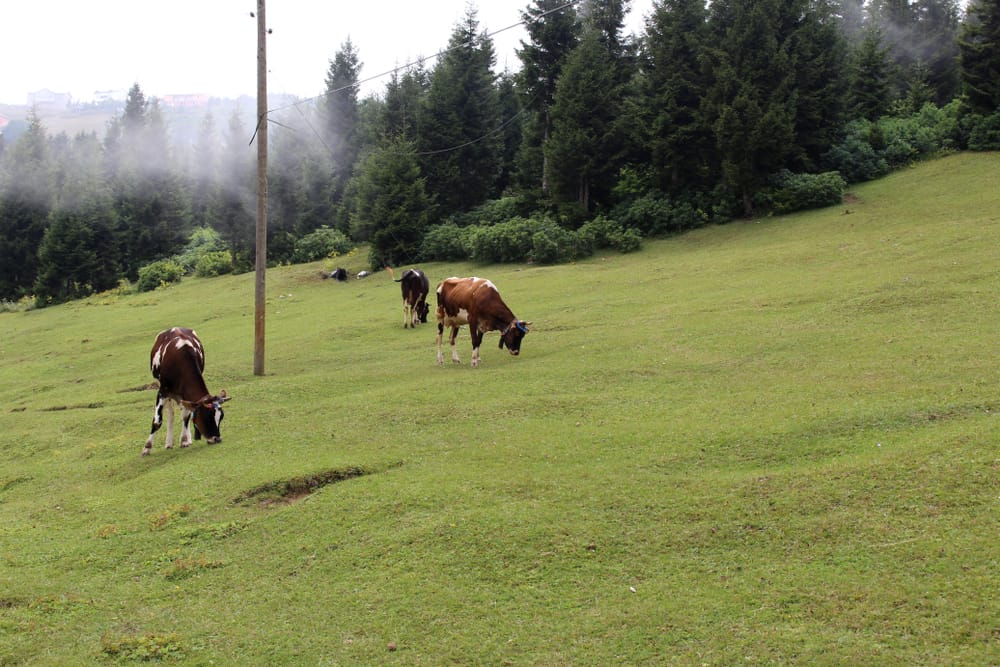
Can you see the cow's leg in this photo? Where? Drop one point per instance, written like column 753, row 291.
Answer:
column 477, row 340
column 157, row 422
column 406, row 313
column 454, row 351
column 186, row 413
column 440, row 336
column 170, row 424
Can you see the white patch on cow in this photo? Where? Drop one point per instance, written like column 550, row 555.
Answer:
column 475, row 357
column 156, row 359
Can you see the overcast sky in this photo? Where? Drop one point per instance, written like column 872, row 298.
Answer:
column 210, row 46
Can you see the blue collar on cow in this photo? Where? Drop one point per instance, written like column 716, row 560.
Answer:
column 515, row 323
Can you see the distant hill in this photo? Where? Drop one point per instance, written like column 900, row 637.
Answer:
column 183, row 121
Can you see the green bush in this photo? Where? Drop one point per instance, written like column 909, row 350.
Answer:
column 319, row 244
column 213, row 264
column 202, row 241
column 161, row 272
column 799, row 192
column 984, row 134
column 656, row 214
column 446, row 242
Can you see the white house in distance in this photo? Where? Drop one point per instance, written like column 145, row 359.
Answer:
column 46, row 99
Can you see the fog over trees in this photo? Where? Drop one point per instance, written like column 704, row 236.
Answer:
column 716, row 111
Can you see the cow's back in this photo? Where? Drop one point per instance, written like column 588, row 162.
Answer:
column 456, row 300
column 177, row 356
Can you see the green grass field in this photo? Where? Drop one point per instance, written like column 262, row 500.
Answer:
column 772, row 442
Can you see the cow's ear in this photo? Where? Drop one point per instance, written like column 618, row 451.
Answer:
column 223, row 396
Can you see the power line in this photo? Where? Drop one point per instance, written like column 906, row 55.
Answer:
column 420, row 60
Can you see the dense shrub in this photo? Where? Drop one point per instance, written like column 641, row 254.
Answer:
column 319, row 244
column 213, row 264
column 656, row 214
column 855, row 158
column 871, row 149
column 203, row 241
column 537, row 239
column 984, row 133
column 446, row 242
column 799, row 192
column 509, row 241
column 492, row 212
column 160, row 272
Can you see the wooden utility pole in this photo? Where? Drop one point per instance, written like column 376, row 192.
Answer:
column 260, row 294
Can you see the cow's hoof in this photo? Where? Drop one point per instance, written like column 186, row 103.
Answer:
column 145, row 452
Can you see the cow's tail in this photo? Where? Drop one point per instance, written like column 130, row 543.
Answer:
column 392, row 274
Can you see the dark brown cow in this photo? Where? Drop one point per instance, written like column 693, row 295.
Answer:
column 476, row 302
column 415, row 287
column 177, row 361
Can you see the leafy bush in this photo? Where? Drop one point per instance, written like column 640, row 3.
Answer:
column 319, row 244
column 446, row 242
column 855, row 157
column 798, row 192
column 551, row 244
column 161, row 272
column 492, row 212
column 984, row 134
column 536, row 239
column 202, row 241
column 872, row 149
column 509, row 241
column 213, row 264
column 656, row 214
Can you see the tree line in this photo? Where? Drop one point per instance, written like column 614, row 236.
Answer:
column 715, row 111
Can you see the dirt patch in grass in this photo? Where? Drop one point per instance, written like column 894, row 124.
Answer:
column 287, row 491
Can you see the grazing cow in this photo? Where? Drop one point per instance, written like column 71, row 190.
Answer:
column 177, row 361
column 476, row 302
column 415, row 287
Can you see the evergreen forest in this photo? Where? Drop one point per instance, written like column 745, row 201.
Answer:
column 718, row 110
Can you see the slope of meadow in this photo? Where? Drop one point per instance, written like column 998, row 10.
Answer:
column 772, row 442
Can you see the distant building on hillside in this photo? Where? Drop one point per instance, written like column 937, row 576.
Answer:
column 185, row 101
column 101, row 96
column 46, row 99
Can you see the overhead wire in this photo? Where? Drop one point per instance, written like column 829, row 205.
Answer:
column 299, row 103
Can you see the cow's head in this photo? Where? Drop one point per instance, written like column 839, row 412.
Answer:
column 512, row 335
column 207, row 418
column 422, row 310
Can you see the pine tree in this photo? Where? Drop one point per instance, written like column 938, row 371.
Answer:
column 752, row 103
column 583, row 144
column 204, row 174
column 459, row 130
column 553, row 31
column 672, row 85
column 870, row 95
column 403, row 98
column 980, row 56
column 391, row 207
column 25, row 203
column 340, row 110
column 235, row 214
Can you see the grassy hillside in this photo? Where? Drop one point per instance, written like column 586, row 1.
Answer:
column 773, row 442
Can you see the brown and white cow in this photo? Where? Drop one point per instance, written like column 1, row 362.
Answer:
column 177, row 361
column 415, row 287
column 476, row 302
